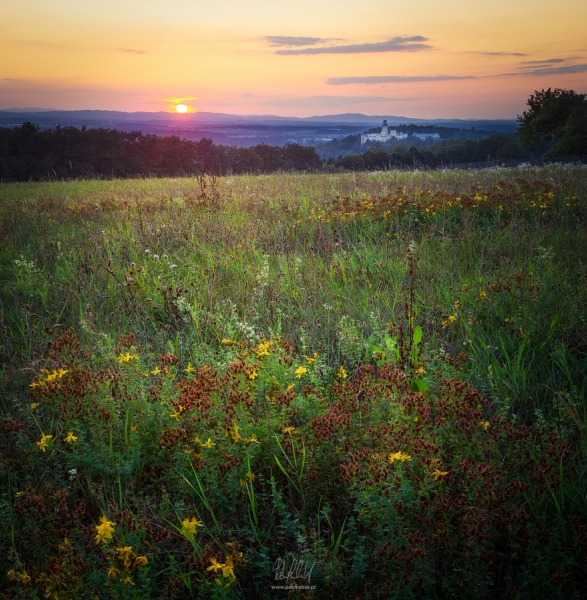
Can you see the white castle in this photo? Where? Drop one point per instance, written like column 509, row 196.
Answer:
column 385, row 135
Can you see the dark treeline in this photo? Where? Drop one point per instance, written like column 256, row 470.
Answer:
column 430, row 155
column 27, row 153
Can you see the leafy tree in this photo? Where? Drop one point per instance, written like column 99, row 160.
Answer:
column 351, row 162
column 549, row 112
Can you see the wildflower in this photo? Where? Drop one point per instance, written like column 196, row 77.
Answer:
column 439, row 474
column 290, row 430
column 189, row 368
column 147, row 251
column 253, row 439
column 105, row 530
column 128, row 581
column 34, row 404
column 262, row 349
column 141, row 561
column 234, row 433
column 176, row 414
column 44, row 442
column 482, row 295
column 208, row 444
column 248, row 477
column 484, row 425
column 452, row 318
column 112, row 573
column 156, row 256
column 228, row 568
column 156, row 371
column 253, row 374
column 399, row 456
column 341, row 373
column 227, row 342
column 124, row 358
column 70, row 437
column 300, row 371
column 215, row 566
column 190, row 526
column 312, row 359
column 420, row 371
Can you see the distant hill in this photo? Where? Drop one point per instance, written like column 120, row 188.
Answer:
column 237, row 130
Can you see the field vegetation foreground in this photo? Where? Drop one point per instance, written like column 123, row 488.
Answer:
column 354, row 386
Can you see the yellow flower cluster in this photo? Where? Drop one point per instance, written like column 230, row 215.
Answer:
column 226, row 568
column 300, row 371
column 43, row 443
column 399, row 456
column 49, row 376
column 341, row 373
column 128, row 357
column 190, row 527
column 104, row 530
column 262, row 349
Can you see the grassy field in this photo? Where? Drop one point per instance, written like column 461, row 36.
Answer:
column 351, row 386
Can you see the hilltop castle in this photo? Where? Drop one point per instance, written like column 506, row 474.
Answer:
column 385, row 135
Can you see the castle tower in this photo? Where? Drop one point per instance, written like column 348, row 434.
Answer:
column 384, row 129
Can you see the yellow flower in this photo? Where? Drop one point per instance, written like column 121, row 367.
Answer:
column 300, row 371
column 234, row 433
column 399, row 456
column 208, row 444
column 34, row 405
column 105, row 530
column 290, row 430
column 312, row 359
column 190, row 526
column 262, row 349
column 44, row 442
column 439, row 474
column 70, row 437
column 124, row 358
column 141, row 560
column 189, row 368
column 341, row 373
column 485, row 425
column 61, row 372
column 156, row 371
column 253, row 374
column 228, row 568
column 215, row 566
column 253, row 439
column 112, row 573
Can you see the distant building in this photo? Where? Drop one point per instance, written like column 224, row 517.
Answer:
column 385, row 135
column 427, row 136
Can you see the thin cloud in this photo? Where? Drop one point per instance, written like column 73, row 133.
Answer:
column 289, row 40
column 498, row 53
column 376, row 79
column 546, row 60
column 564, row 70
column 396, row 44
column 328, row 101
column 131, row 51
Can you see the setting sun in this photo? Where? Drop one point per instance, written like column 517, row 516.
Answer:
column 181, row 108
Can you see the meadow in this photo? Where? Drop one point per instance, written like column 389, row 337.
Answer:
column 365, row 385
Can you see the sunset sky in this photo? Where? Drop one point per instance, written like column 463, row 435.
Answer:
column 427, row 59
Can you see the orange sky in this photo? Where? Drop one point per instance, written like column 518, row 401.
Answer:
column 453, row 59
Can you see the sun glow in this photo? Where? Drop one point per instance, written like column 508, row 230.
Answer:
column 181, row 108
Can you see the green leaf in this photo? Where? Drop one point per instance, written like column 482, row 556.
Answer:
column 417, row 335
column 419, row 385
